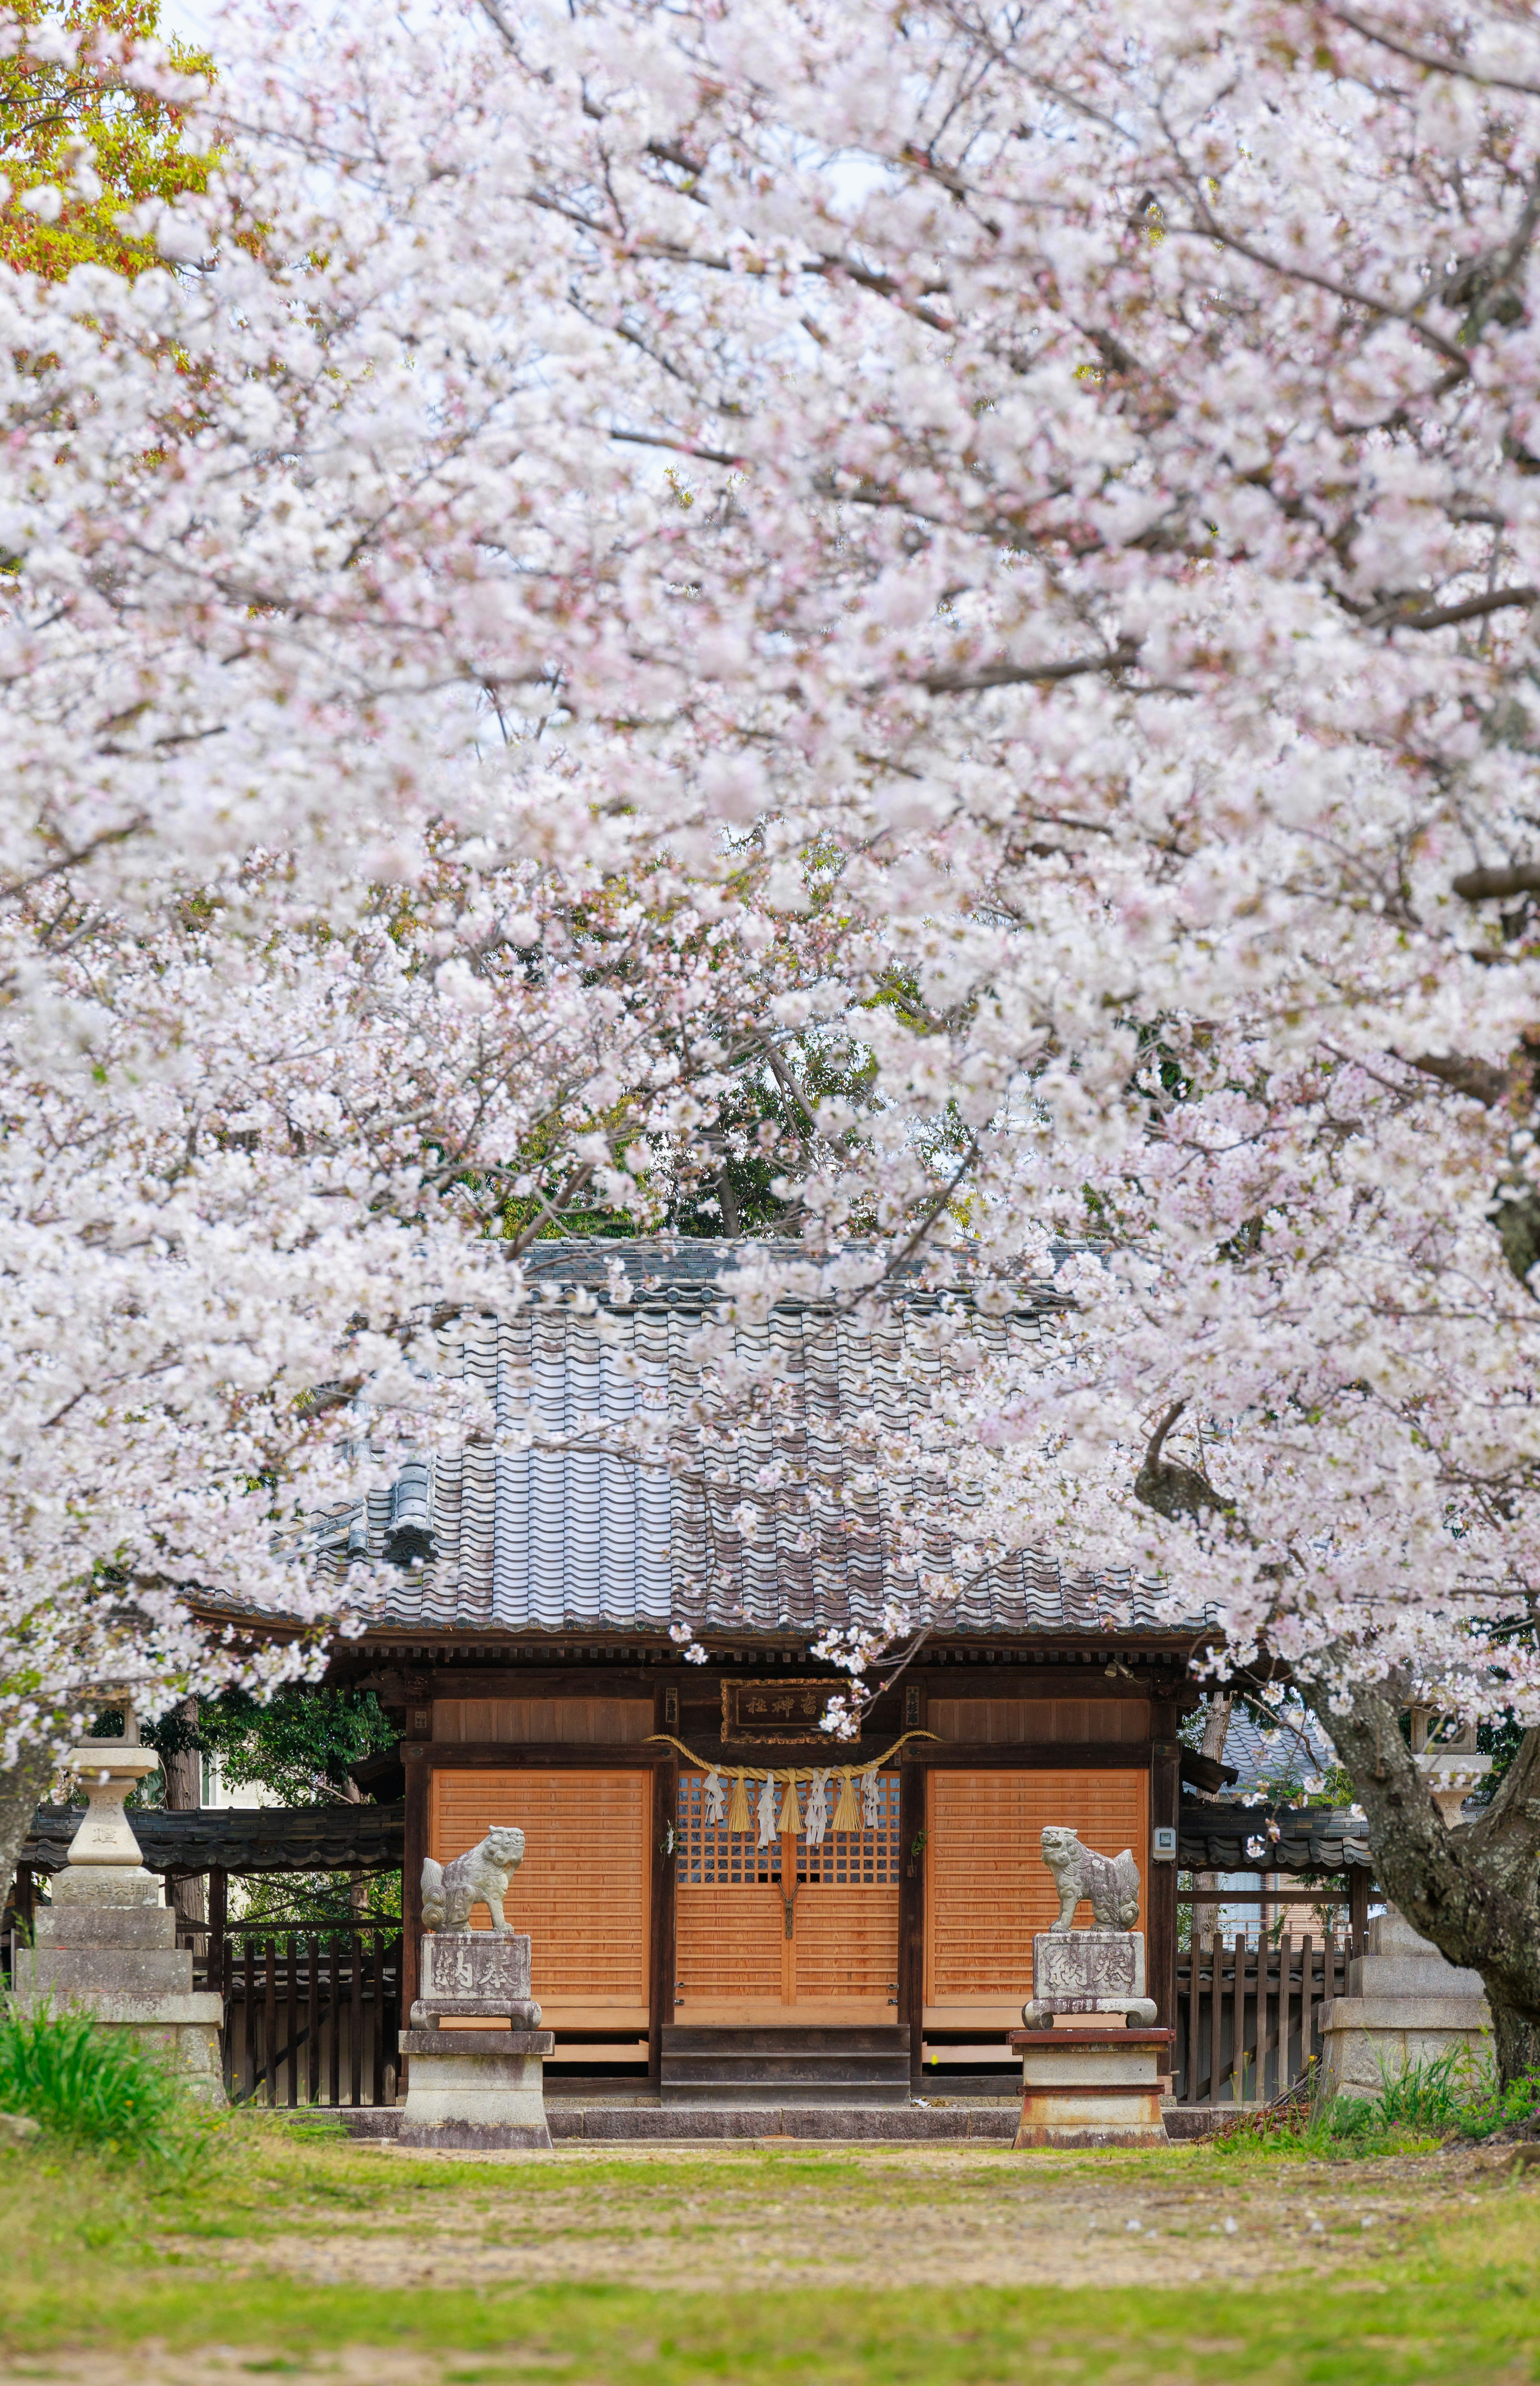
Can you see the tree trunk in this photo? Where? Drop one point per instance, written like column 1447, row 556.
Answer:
column 182, row 1774
column 1475, row 1892
column 1517, row 2042
column 1215, row 1730
column 22, row 1790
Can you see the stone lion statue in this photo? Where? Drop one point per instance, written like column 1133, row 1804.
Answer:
column 1111, row 1882
column 478, row 1878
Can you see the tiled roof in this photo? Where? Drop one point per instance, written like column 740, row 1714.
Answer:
column 1291, row 1745
column 577, row 1539
column 1223, row 1838
column 343, row 1838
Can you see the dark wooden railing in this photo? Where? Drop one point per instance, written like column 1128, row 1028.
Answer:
column 1248, row 2019
column 311, row 2012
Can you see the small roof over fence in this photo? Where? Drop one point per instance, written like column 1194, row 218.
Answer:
column 1212, row 1836
column 239, row 1838
column 1218, row 1837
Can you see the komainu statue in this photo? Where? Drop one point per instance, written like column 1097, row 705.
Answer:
column 1111, row 1882
column 478, row 1878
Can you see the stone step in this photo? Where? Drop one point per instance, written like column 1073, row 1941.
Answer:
column 700, row 2037
column 761, row 2094
column 737, row 2063
column 651, row 2124
column 757, row 2066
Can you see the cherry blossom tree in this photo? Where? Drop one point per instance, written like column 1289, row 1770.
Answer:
column 1058, row 480
column 1023, row 522
column 303, row 1048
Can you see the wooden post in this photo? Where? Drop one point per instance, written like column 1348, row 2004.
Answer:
column 1165, row 1798
column 377, row 2088
column 219, row 1922
column 226, row 1986
column 182, row 1773
column 1357, row 1906
column 269, row 2017
column 419, row 1789
column 354, row 2019
column 1307, row 2003
column 248, row 2014
column 1216, row 2016
column 334, row 2016
column 1186, row 2083
column 312, row 2015
column 911, row 1913
column 293, row 2018
column 665, row 1909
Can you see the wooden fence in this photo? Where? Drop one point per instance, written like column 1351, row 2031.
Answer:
column 311, row 2016
column 1248, row 2019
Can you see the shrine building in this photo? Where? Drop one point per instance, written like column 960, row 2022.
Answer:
column 874, row 1913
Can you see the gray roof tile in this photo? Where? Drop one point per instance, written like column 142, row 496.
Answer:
column 552, row 1540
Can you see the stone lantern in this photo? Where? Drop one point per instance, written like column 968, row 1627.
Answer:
column 107, row 1945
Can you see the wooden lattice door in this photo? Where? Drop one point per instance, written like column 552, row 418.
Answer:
column 785, row 1932
column 584, row 1891
column 987, row 1890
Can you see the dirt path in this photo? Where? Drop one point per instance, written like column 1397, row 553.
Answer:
column 966, row 2218
column 152, row 2365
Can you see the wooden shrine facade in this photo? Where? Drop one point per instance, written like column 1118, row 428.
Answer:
column 646, row 1907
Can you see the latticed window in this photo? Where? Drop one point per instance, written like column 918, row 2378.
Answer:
column 709, row 1852
column 859, row 1859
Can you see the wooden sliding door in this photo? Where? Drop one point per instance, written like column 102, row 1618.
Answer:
column 987, row 1890
column 584, row 1891
column 785, row 1933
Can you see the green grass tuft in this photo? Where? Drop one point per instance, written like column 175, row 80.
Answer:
column 90, row 2087
column 1450, row 2095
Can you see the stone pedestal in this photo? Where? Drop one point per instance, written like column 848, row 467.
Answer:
column 1088, row 1972
column 1084, row 2084
column 1404, row 2004
column 1092, row 2087
column 472, row 1975
column 470, row 2087
column 108, row 1947
column 475, row 2087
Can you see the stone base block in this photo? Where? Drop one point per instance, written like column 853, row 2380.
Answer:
column 116, row 1964
column 105, row 1884
column 1041, row 2013
column 56, row 1928
column 190, row 2048
column 473, row 2137
column 1410, row 1976
column 1129, row 2118
column 84, row 1976
column 1064, row 2063
column 520, row 2014
column 1091, row 2087
column 470, row 2088
column 117, row 2000
column 1365, row 2041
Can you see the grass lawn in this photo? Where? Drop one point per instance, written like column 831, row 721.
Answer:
column 279, row 2254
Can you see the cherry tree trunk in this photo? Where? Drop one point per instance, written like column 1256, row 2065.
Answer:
column 22, row 1788
column 182, row 1775
column 1473, row 1890
column 1517, row 2039
column 1216, row 1731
